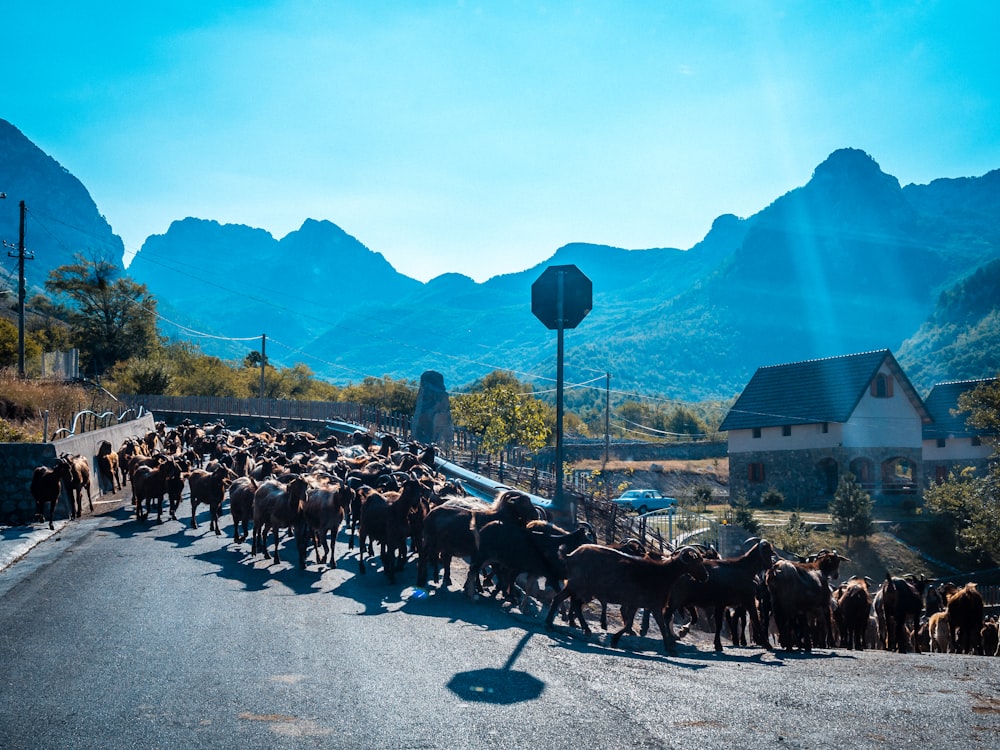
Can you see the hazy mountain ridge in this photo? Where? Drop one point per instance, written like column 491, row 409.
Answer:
column 961, row 339
column 62, row 218
column 848, row 262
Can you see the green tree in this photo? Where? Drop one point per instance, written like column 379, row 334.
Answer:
column 968, row 504
column 502, row 415
column 851, row 510
column 201, row 375
column 296, row 382
column 9, row 345
column 383, row 393
column 112, row 318
column 51, row 332
column 147, row 376
column 702, row 497
column 683, row 421
column 742, row 514
column 983, row 405
column 966, row 509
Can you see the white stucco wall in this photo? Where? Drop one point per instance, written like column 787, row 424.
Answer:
column 884, row 421
column 956, row 449
column 803, row 436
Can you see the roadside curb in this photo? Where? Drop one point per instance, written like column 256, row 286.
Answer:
column 18, row 541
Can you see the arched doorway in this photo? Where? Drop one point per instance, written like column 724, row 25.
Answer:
column 829, row 475
column 898, row 476
column 863, row 470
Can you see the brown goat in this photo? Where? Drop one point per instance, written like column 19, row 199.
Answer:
column 800, row 593
column 939, row 632
column 965, row 618
column 510, row 550
column 46, row 488
column 323, row 509
column 241, row 493
column 277, row 506
column 385, row 519
column 77, row 481
column 150, row 483
column 989, row 639
column 899, row 601
column 108, row 468
column 730, row 583
column 854, row 608
column 209, row 488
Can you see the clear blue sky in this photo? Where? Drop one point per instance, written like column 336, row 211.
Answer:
column 478, row 137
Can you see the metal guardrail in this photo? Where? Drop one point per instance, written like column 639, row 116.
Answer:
column 679, row 526
column 105, row 418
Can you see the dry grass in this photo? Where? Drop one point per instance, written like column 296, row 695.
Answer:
column 23, row 403
column 715, row 467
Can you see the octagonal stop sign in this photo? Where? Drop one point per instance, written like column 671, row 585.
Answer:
column 576, row 298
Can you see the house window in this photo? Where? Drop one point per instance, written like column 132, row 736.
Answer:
column 940, row 474
column 976, row 440
column 786, row 430
column 756, row 432
column 882, row 386
column 825, row 427
column 756, row 472
column 941, row 442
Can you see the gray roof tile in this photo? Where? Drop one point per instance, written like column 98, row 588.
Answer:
column 940, row 401
column 812, row 391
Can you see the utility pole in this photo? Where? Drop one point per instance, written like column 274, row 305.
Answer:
column 21, row 257
column 607, row 419
column 263, row 361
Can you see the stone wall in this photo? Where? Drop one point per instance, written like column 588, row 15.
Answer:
column 18, row 462
column 797, row 474
column 980, row 468
column 636, row 452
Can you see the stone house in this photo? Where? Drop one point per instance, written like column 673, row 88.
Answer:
column 799, row 427
column 949, row 443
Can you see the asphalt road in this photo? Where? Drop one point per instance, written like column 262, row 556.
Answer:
column 115, row 634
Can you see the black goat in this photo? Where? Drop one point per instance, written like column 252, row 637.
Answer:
column 730, row 583
column 597, row 572
column 535, row 549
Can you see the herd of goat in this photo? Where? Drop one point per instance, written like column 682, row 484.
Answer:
column 394, row 496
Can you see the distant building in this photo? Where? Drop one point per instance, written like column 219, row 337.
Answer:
column 799, row 427
column 949, row 443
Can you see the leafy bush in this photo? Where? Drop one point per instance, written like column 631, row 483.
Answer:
column 794, row 536
column 772, row 498
column 743, row 516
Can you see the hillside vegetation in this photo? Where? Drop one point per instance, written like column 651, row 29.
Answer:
column 850, row 261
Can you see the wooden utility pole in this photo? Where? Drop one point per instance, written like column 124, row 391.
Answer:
column 607, row 419
column 263, row 362
column 21, row 257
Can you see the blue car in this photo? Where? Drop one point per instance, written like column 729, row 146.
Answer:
column 644, row 501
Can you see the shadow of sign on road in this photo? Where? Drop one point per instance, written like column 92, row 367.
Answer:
column 502, row 686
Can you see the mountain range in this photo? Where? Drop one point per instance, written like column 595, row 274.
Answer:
column 849, row 262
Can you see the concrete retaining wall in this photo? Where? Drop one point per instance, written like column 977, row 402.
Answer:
column 18, row 462
column 637, row 452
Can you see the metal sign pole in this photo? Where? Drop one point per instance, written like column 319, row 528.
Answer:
column 560, row 319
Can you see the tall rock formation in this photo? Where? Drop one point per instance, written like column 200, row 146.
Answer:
column 432, row 417
column 62, row 219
